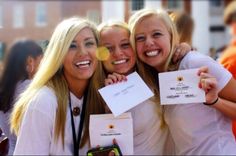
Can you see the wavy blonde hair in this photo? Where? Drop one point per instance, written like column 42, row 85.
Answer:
column 50, row 74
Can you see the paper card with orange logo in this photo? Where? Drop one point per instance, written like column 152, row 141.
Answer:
column 180, row 87
column 103, row 128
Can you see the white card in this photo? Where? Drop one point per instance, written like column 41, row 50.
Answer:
column 122, row 96
column 103, row 128
column 180, row 87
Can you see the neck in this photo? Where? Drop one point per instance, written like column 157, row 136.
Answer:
column 78, row 87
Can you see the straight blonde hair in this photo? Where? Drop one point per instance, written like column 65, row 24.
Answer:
column 148, row 73
column 140, row 15
column 50, row 74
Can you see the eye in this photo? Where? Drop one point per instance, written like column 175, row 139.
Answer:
column 73, row 46
column 89, row 43
column 157, row 34
column 125, row 45
column 139, row 38
column 110, row 48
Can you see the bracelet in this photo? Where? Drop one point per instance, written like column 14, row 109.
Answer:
column 212, row 102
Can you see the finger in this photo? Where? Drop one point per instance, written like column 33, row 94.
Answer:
column 119, row 77
column 208, row 84
column 112, row 77
column 205, row 75
column 176, row 55
column 203, row 69
column 114, row 141
column 112, row 153
column 108, row 82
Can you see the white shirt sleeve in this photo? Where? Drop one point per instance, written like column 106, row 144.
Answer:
column 197, row 60
column 36, row 130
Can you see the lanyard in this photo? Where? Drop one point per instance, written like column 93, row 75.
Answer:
column 76, row 142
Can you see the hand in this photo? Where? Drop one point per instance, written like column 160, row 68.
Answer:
column 180, row 51
column 114, row 78
column 209, row 84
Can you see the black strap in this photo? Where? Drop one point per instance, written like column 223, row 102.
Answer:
column 76, row 142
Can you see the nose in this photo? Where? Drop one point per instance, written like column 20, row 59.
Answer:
column 149, row 42
column 82, row 50
column 118, row 51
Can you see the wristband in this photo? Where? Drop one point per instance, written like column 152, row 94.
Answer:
column 208, row 104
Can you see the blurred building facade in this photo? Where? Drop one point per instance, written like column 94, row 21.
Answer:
column 37, row 19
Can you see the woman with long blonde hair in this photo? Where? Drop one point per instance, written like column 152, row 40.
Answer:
column 196, row 128
column 51, row 115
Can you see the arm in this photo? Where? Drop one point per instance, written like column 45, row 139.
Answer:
column 180, row 51
column 208, row 83
column 36, row 129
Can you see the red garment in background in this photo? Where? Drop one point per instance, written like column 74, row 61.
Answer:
column 228, row 60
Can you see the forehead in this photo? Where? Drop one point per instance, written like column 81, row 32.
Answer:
column 152, row 22
column 114, row 30
column 84, row 33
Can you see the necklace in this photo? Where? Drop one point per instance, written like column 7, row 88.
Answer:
column 76, row 111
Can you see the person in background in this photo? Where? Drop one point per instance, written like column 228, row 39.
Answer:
column 51, row 115
column 20, row 66
column 150, row 133
column 198, row 128
column 184, row 24
column 228, row 56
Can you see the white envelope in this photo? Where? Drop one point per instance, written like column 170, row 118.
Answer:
column 122, row 96
column 103, row 128
column 180, row 87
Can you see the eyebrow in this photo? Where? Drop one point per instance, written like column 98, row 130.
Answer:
column 86, row 39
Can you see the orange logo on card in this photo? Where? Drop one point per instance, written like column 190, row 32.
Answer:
column 180, row 78
column 111, row 126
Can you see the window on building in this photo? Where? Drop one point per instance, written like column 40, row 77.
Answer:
column 216, row 3
column 1, row 17
column 41, row 14
column 175, row 4
column 137, row 4
column 18, row 16
column 93, row 15
column 2, row 47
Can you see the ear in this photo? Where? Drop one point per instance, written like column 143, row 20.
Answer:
column 30, row 66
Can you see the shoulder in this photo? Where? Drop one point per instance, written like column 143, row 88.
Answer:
column 196, row 59
column 45, row 101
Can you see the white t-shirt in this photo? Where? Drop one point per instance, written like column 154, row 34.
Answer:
column 198, row 129
column 36, row 135
column 4, row 117
column 149, row 138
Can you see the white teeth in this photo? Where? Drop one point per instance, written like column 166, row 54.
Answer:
column 119, row 62
column 152, row 53
column 83, row 63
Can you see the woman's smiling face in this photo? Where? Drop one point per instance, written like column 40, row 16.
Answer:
column 153, row 42
column 80, row 61
column 122, row 57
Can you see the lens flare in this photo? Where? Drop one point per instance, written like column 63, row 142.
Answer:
column 102, row 53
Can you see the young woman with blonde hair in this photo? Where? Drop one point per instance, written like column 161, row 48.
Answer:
column 197, row 128
column 51, row 117
column 150, row 133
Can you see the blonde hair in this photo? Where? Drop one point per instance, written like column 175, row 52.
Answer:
column 140, row 15
column 230, row 13
column 113, row 23
column 148, row 73
column 50, row 74
column 147, row 76
column 184, row 24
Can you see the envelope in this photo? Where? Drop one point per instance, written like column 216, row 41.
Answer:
column 103, row 128
column 180, row 87
column 122, row 96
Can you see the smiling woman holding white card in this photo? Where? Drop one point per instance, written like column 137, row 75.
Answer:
column 197, row 128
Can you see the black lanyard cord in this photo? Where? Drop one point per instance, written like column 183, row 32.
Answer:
column 77, row 142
